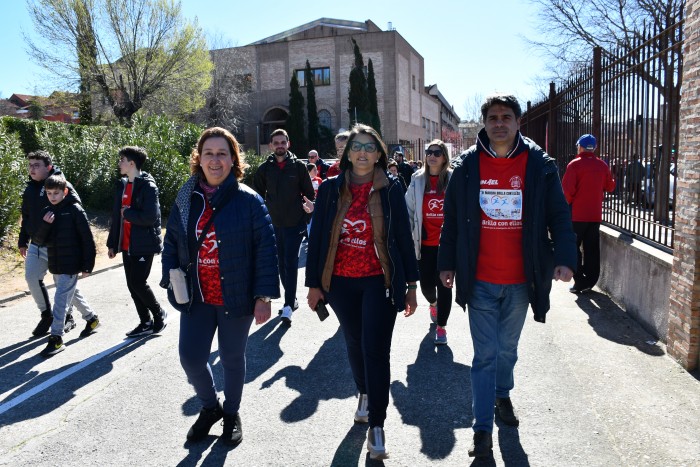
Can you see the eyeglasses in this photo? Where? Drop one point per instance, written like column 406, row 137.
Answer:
column 37, row 165
column 356, row 146
column 433, row 152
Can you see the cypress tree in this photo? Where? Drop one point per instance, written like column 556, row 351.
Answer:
column 372, row 97
column 311, row 111
column 358, row 102
column 295, row 120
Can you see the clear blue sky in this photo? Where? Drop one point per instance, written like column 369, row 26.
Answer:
column 470, row 47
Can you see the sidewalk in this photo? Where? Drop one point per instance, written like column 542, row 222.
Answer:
column 592, row 389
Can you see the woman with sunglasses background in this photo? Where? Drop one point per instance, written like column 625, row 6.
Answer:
column 361, row 261
column 424, row 200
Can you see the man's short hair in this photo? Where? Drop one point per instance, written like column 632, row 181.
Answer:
column 41, row 155
column 135, row 154
column 313, row 152
column 56, row 181
column 279, row 131
column 398, row 153
column 310, row 167
column 507, row 100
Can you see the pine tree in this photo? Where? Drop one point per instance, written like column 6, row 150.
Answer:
column 295, row 120
column 311, row 111
column 372, row 97
column 358, row 102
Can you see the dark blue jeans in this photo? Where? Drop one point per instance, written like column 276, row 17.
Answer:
column 197, row 330
column 288, row 241
column 367, row 319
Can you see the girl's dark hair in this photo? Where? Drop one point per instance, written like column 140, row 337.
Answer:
column 239, row 164
column 363, row 129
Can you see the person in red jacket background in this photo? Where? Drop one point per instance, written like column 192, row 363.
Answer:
column 585, row 182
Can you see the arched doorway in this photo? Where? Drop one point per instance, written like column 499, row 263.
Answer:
column 274, row 118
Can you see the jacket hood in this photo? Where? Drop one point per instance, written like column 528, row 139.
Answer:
column 484, row 144
column 145, row 176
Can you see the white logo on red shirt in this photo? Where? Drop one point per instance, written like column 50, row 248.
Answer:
column 490, row 181
column 516, row 182
column 435, row 205
column 358, row 226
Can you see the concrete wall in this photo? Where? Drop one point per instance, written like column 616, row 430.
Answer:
column 638, row 276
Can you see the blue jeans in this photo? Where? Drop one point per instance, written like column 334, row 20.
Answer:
column 288, row 241
column 197, row 328
column 496, row 318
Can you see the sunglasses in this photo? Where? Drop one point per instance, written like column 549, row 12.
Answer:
column 433, row 152
column 356, row 146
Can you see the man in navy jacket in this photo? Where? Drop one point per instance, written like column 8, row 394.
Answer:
column 506, row 234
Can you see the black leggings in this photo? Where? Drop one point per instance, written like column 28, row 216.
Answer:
column 431, row 285
column 137, row 269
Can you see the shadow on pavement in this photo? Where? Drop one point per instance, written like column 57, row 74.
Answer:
column 436, row 397
column 350, row 448
column 15, row 372
column 63, row 391
column 322, row 379
column 263, row 349
column 611, row 322
column 512, row 451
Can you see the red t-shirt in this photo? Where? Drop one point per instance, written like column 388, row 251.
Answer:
column 501, row 199
column 208, row 261
column 126, row 225
column 432, row 213
column 356, row 255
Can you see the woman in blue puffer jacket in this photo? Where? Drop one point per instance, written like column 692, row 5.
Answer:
column 230, row 266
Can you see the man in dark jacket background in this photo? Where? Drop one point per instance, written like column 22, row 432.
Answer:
column 321, row 165
column 506, row 234
column 585, row 182
column 135, row 231
column 35, row 255
column 283, row 182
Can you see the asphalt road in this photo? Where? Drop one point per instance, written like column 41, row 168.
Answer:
column 592, row 389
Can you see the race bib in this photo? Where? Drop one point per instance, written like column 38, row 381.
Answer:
column 502, row 204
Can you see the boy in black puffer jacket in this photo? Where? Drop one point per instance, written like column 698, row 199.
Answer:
column 71, row 250
column 135, row 232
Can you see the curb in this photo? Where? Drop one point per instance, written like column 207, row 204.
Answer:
column 24, row 293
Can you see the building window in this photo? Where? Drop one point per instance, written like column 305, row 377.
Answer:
column 321, row 76
column 324, row 119
column 413, row 79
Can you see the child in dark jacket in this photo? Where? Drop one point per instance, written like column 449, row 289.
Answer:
column 135, row 232
column 71, row 250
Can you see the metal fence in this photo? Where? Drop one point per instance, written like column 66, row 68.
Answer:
column 414, row 150
column 630, row 102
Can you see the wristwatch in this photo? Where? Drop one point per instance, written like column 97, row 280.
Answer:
column 264, row 299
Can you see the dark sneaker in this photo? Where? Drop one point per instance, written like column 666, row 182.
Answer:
column 482, row 445
column 207, row 418
column 159, row 321
column 233, row 430
column 142, row 329
column 44, row 325
column 505, row 411
column 54, row 346
column 90, row 327
column 579, row 290
column 70, row 324
column 376, row 443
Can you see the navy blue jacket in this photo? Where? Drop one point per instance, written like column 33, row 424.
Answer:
column 144, row 215
column 548, row 236
column 398, row 230
column 246, row 244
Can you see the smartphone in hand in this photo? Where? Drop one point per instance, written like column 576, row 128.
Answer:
column 321, row 310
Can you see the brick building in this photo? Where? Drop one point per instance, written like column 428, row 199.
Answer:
column 406, row 108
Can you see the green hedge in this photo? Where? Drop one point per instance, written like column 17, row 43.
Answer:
column 12, row 179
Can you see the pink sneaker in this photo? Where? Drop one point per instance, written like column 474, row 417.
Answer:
column 440, row 336
column 433, row 313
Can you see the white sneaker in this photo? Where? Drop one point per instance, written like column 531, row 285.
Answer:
column 375, row 443
column 362, row 412
column 287, row 314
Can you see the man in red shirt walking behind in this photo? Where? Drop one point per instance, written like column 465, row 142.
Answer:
column 585, row 182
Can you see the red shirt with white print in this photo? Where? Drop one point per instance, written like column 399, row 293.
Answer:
column 356, row 255
column 502, row 183
column 432, row 213
column 126, row 225
column 208, row 261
